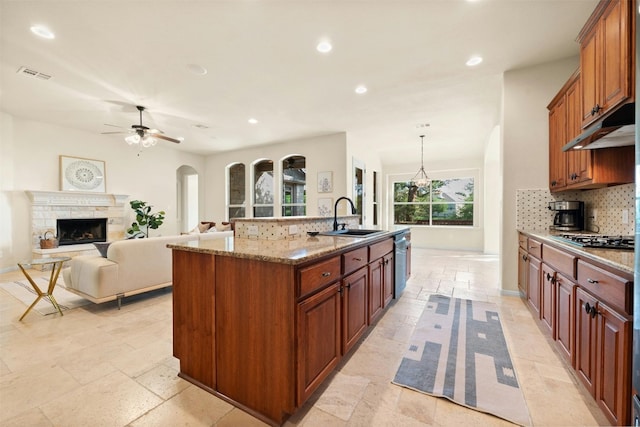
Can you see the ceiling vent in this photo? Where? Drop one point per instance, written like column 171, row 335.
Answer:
column 33, row 73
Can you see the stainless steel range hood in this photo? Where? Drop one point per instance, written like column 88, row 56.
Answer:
column 615, row 130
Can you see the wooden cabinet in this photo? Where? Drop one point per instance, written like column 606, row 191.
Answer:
column 319, row 339
column 603, row 349
column 565, row 317
column 607, row 59
column 557, row 138
column 523, row 271
column 587, row 308
column 388, row 279
column 533, row 282
column 548, row 298
column 381, row 277
column 354, row 308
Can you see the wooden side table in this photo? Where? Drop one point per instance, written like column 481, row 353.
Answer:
column 55, row 271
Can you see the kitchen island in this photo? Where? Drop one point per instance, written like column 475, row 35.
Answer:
column 262, row 323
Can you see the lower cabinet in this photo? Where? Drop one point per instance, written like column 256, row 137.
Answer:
column 533, row 284
column 586, row 307
column 354, row 308
column 603, row 356
column 388, row 279
column 564, row 310
column 319, row 339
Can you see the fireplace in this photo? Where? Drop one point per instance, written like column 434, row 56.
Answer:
column 78, row 231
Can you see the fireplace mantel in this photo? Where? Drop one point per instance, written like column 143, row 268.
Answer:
column 75, row 198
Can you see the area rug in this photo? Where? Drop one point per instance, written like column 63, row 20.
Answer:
column 23, row 291
column 458, row 351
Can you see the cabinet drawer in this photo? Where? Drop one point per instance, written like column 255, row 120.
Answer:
column 607, row 286
column 563, row 262
column 534, row 248
column 318, row 275
column 353, row 260
column 523, row 241
column 380, row 249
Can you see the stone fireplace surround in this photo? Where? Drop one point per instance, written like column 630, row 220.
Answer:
column 48, row 206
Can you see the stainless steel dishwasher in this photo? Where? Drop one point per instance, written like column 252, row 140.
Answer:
column 400, row 243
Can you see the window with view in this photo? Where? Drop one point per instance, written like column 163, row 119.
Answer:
column 263, row 189
column 294, row 179
column 235, row 185
column 443, row 202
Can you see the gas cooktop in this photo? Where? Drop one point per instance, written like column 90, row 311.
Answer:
column 597, row 241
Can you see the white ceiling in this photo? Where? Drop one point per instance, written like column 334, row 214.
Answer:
column 109, row 56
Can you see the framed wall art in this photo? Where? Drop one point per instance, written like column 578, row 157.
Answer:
column 325, row 182
column 325, row 206
column 78, row 174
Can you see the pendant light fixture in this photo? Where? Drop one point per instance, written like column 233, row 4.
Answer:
column 420, row 179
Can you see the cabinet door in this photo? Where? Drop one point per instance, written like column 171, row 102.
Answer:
column 578, row 161
column 376, row 276
column 523, row 271
column 615, row 54
column 613, row 387
column 388, row 276
column 557, row 138
column 408, row 261
column 354, row 303
column 319, row 334
column 565, row 317
column 589, row 75
column 533, row 283
column 586, row 327
column 547, row 300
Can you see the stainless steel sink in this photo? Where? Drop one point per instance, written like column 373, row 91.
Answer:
column 356, row 232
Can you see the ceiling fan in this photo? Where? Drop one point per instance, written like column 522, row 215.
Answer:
column 140, row 134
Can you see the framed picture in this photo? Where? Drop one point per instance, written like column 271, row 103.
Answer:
column 325, row 182
column 78, row 174
column 325, row 206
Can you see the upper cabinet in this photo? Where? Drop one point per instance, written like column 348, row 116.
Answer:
column 606, row 59
column 603, row 82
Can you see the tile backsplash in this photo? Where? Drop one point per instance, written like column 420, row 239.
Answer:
column 607, row 204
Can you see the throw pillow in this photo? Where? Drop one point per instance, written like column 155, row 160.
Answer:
column 102, row 248
column 203, row 226
column 225, row 226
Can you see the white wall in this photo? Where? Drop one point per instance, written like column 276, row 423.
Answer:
column 525, row 145
column 464, row 238
column 29, row 154
column 323, row 153
column 492, row 193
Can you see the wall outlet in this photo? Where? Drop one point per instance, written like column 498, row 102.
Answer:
column 293, row 229
column 625, row 216
column 594, row 215
column 252, row 230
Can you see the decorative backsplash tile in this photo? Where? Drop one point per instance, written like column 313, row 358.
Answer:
column 607, row 204
column 280, row 228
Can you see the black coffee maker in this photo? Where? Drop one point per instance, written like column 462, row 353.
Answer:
column 569, row 215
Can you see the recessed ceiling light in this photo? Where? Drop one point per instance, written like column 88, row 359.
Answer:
column 252, row 121
column 361, row 89
column 474, row 60
column 197, row 69
column 324, row 47
column 43, row 32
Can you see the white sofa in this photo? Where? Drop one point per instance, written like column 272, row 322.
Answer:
column 130, row 267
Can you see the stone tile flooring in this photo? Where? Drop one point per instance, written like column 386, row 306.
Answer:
column 99, row 366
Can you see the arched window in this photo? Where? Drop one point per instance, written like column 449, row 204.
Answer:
column 263, row 188
column 236, row 191
column 294, row 179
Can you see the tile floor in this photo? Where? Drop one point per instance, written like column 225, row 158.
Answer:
column 99, row 366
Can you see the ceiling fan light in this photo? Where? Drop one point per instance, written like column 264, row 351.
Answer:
column 148, row 141
column 132, row 139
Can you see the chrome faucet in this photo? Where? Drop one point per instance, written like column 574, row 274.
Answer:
column 335, row 211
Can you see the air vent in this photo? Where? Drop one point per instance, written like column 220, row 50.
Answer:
column 33, row 73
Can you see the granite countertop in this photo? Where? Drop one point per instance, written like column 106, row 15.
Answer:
column 622, row 260
column 291, row 252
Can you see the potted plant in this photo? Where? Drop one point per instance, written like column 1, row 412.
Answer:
column 145, row 220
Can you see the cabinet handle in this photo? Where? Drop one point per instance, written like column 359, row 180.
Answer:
column 326, row 274
column 590, row 310
column 595, row 282
column 357, row 259
column 340, row 289
column 348, row 285
column 548, row 277
column 524, row 257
